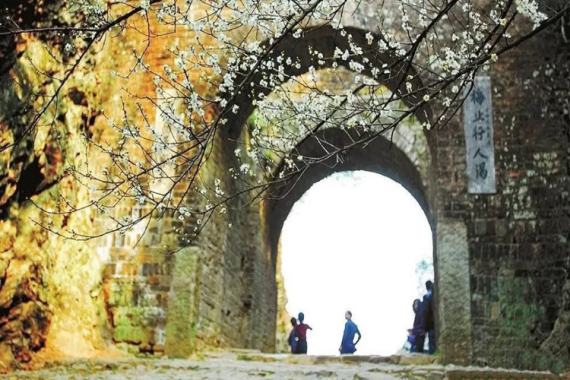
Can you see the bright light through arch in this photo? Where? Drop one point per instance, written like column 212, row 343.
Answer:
column 355, row 241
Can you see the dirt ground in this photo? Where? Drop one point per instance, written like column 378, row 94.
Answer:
column 239, row 365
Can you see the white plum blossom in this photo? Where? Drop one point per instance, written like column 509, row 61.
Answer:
column 529, row 9
column 244, row 168
column 223, row 59
column 184, row 212
column 356, row 66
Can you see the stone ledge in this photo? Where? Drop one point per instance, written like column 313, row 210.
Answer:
column 492, row 373
column 404, row 360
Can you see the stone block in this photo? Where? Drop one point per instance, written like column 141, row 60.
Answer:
column 184, row 300
column 453, row 292
column 128, row 334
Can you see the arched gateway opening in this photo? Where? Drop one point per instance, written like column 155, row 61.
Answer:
column 389, row 161
column 358, row 241
column 406, row 155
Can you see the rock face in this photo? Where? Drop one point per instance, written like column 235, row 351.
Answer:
column 43, row 278
column 49, row 286
column 501, row 260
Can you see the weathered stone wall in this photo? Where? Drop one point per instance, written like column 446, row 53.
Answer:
column 170, row 292
column 237, row 275
column 517, row 238
column 77, row 296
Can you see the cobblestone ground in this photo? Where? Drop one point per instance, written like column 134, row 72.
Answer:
column 237, row 366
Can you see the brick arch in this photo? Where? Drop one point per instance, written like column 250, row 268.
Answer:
column 325, row 39
column 395, row 156
column 402, row 144
column 380, row 156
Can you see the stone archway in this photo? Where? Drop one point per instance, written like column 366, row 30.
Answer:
column 396, row 158
column 245, row 316
column 450, row 249
column 413, row 158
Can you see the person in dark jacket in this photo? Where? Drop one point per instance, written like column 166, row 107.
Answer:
column 293, row 337
column 429, row 317
column 301, row 333
column 418, row 331
column 348, row 345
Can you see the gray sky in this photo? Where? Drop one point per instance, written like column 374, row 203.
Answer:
column 353, row 241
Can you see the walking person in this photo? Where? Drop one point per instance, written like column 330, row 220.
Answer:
column 348, row 345
column 429, row 317
column 301, row 333
column 293, row 336
column 418, row 331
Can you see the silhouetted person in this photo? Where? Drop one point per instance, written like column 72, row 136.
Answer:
column 429, row 318
column 348, row 345
column 301, row 332
column 418, row 331
column 293, row 337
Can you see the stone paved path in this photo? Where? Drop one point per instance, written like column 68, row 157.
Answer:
column 237, row 366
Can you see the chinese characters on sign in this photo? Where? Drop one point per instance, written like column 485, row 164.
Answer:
column 478, row 122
